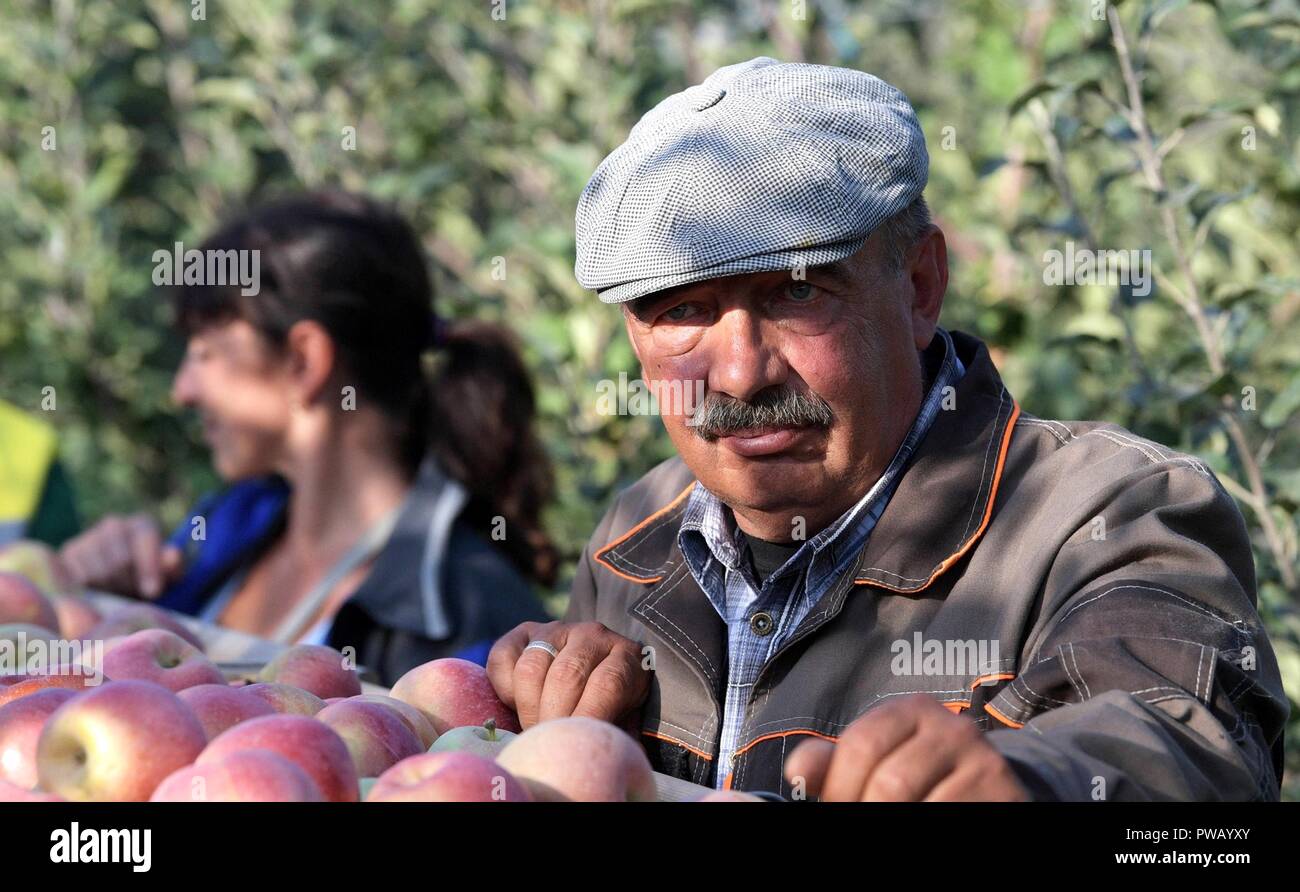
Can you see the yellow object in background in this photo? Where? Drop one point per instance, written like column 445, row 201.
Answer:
column 27, row 451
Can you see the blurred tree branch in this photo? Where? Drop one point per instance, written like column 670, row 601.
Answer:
column 1256, row 496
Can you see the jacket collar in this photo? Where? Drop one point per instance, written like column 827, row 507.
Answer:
column 941, row 507
column 413, row 558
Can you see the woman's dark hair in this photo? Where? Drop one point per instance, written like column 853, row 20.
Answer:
column 356, row 267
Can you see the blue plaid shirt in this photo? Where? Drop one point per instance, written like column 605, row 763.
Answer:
column 715, row 555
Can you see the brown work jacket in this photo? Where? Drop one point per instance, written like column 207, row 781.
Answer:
column 1085, row 596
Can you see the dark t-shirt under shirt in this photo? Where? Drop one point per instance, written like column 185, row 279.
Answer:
column 767, row 557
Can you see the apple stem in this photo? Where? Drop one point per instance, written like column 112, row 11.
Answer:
column 491, row 727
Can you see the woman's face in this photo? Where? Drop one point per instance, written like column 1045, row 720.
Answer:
column 242, row 390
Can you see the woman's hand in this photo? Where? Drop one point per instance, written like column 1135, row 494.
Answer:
column 121, row 554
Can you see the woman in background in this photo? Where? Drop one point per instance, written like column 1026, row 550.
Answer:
column 370, row 504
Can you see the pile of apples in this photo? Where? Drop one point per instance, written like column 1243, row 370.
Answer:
column 157, row 720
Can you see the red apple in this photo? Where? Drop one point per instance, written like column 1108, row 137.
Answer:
column 39, row 563
column 375, row 735
column 286, row 698
column 415, row 720
column 162, row 657
column 77, row 616
column 22, row 602
column 729, row 796
column 453, row 693
column 117, row 742
column 20, row 728
column 316, row 668
column 484, row 740
column 580, row 759
column 14, row 793
column 30, row 684
column 242, row 776
column 311, row 745
column 447, row 777
column 128, row 618
column 219, row 706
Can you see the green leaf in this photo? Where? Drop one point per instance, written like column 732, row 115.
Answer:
column 1033, row 92
column 1281, row 407
column 106, row 182
column 1152, row 16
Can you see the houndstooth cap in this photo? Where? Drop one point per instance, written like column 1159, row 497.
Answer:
column 764, row 166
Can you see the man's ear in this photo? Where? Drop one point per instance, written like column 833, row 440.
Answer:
column 927, row 268
column 310, row 357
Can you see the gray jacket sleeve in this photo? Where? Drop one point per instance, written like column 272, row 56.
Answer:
column 1147, row 674
column 582, row 597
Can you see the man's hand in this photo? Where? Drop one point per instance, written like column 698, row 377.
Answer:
column 125, row 555
column 912, row 749
column 597, row 673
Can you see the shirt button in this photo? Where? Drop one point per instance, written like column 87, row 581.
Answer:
column 761, row 624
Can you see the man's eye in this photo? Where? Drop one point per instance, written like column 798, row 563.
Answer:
column 679, row 312
column 800, row 291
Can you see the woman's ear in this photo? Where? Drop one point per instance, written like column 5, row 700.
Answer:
column 310, row 360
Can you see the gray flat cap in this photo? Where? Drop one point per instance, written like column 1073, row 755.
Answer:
column 764, row 166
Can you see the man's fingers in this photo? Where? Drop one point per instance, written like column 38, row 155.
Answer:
column 529, row 682
column 593, row 672
column 567, row 677
column 864, row 744
column 912, row 770
column 986, row 777
column 530, row 672
column 614, row 686
column 807, row 764
column 502, row 659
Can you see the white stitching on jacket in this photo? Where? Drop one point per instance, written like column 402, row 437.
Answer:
column 1075, row 659
column 680, row 573
column 1150, row 588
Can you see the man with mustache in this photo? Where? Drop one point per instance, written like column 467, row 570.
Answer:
column 869, row 575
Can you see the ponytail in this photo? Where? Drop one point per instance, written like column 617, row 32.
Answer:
column 479, row 408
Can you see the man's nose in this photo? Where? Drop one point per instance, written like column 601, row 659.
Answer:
column 744, row 357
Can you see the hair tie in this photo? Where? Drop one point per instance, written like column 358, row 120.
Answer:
column 437, row 336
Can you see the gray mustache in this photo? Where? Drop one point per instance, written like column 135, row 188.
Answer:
column 720, row 415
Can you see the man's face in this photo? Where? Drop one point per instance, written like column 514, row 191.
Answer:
column 811, row 384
